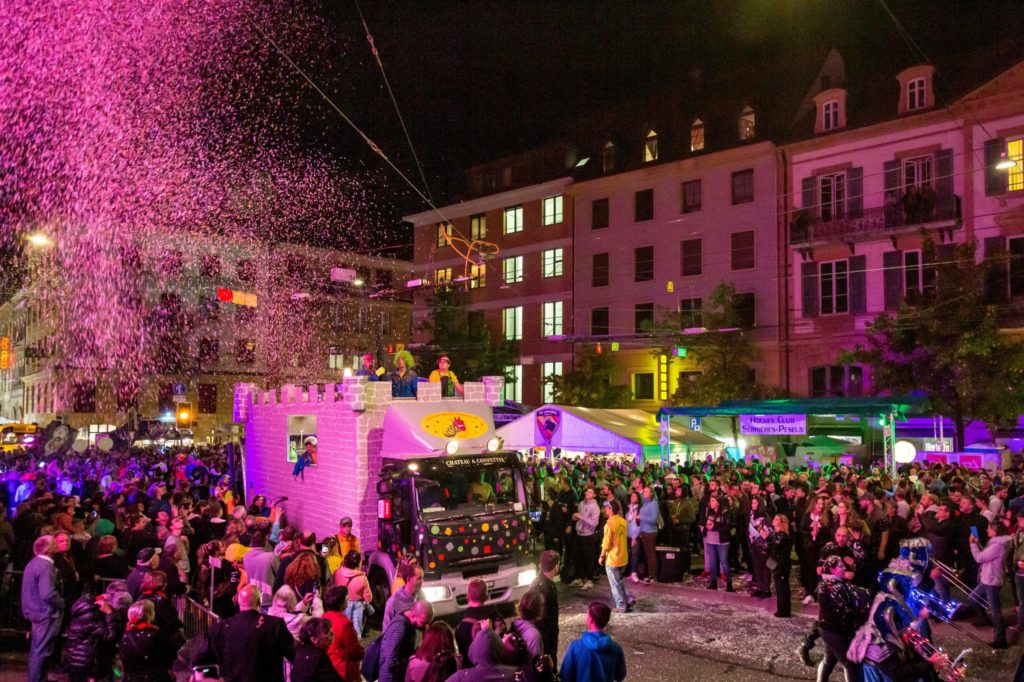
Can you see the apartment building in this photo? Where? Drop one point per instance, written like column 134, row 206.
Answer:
column 869, row 183
column 509, row 245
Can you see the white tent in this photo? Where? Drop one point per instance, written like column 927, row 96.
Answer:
column 610, row 431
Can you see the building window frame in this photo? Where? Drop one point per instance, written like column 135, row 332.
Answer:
column 512, row 269
column 599, row 214
column 830, row 115
column 918, row 171
column 832, row 196
column 741, row 255
column 551, row 319
column 600, row 268
column 643, row 264
column 834, row 287
column 549, row 370
column 599, row 327
column 512, row 323
column 478, row 226
column 514, row 387
column 690, row 196
column 651, row 147
column 444, row 233
column 697, row 136
column 643, row 205
column 552, row 262
column 642, row 312
column 512, row 220
column 641, row 391
column 917, row 94
column 691, row 313
column 742, row 185
column 554, row 210
column 691, row 257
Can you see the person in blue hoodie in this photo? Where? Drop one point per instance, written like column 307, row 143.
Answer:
column 594, row 657
column 650, row 512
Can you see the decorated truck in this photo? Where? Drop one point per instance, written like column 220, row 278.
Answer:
column 421, row 477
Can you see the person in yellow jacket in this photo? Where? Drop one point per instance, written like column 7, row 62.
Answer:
column 615, row 554
column 347, row 540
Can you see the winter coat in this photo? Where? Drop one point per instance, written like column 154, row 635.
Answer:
column 313, row 665
column 723, row 525
column 486, row 652
column 91, row 639
column 991, row 560
column 345, row 651
column 147, row 655
column 594, row 656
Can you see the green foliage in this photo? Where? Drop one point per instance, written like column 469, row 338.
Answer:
column 946, row 343
column 464, row 336
column 590, row 383
column 724, row 352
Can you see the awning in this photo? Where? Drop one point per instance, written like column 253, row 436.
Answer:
column 589, row 429
column 902, row 404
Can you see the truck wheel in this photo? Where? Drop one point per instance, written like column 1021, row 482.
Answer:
column 380, row 587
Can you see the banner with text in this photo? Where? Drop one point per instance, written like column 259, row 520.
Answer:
column 773, row 424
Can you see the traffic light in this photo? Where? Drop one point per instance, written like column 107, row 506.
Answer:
column 184, row 415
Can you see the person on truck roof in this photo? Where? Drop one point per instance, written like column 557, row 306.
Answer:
column 403, row 378
column 367, row 370
column 443, row 375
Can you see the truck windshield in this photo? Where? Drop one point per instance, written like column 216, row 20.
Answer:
column 468, row 490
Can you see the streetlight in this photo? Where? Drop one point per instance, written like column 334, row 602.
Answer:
column 39, row 240
column 1005, row 162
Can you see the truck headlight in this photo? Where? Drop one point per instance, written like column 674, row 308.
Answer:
column 434, row 593
column 527, row 577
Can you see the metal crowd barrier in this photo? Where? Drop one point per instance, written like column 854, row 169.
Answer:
column 197, row 620
column 10, row 603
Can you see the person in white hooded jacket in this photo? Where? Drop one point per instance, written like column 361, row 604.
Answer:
column 991, row 571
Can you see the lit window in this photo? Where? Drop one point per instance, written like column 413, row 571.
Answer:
column 442, row 276
column 478, row 227
column 608, row 158
column 512, row 323
column 553, row 210
column 748, row 121
column 832, row 196
column 1015, row 176
column 834, row 287
column 478, row 276
column 651, row 147
column 444, row 231
column 830, row 115
column 513, row 220
column 916, row 98
column 513, row 267
column 552, row 263
column 514, row 383
column 697, row 136
column 548, row 371
column 552, row 318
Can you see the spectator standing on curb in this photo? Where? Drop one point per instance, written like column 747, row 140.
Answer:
column 594, row 657
column 42, row 605
column 615, row 554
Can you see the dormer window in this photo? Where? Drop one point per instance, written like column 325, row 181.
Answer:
column 916, row 94
column 916, row 88
column 830, row 115
column 651, row 147
column 748, row 122
column 697, row 136
column 830, row 106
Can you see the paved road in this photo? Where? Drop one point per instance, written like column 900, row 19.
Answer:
column 686, row 633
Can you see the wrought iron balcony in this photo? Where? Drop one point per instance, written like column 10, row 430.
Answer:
column 895, row 215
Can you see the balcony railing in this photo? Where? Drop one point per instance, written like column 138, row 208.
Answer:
column 807, row 227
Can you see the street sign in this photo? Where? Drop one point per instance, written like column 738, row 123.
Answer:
column 773, row 424
column 178, row 389
column 695, row 424
column 179, row 398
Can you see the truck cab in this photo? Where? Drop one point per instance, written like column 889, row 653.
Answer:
column 461, row 516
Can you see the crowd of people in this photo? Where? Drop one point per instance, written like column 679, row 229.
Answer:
column 109, row 542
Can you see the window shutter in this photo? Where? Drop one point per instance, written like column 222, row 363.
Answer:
column 855, row 192
column 995, row 179
column 997, row 276
column 892, row 266
column 891, row 171
column 858, row 284
column 944, row 178
column 809, row 288
column 807, row 187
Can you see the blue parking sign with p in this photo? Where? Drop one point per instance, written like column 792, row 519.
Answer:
column 695, row 424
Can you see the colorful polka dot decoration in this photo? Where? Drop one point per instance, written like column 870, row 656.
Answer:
column 487, row 538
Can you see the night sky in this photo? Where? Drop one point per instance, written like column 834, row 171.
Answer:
column 479, row 79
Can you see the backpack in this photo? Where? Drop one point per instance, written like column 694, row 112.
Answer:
column 370, row 667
